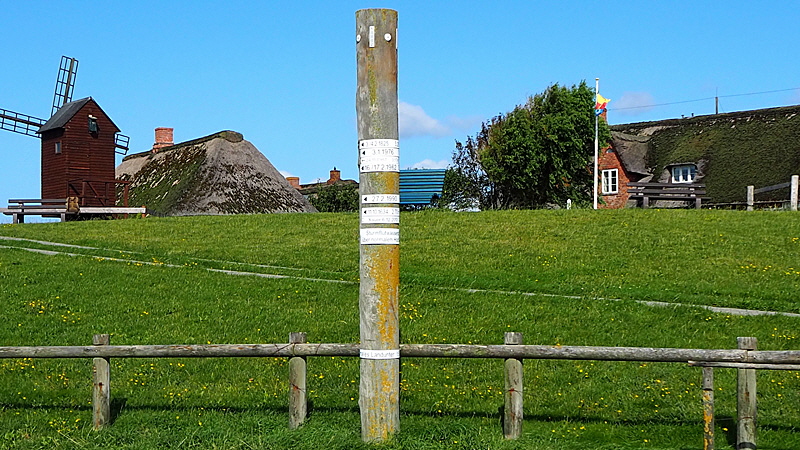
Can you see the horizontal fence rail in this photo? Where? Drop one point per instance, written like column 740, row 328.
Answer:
column 642, row 354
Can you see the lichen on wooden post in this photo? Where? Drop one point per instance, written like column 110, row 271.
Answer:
column 101, row 386
column 708, row 408
column 298, row 408
column 512, row 409
column 746, row 399
column 379, row 189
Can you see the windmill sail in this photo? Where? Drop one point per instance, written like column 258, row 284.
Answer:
column 65, row 82
column 20, row 123
column 121, row 141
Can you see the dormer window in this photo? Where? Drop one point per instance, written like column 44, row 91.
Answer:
column 685, row 173
column 93, row 128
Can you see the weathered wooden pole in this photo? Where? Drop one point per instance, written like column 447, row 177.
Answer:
column 379, row 190
column 750, row 197
column 512, row 410
column 101, row 386
column 297, row 385
column 793, row 192
column 708, row 408
column 746, row 400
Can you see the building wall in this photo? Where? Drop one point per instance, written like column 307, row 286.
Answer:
column 608, row 159
column 84, row 156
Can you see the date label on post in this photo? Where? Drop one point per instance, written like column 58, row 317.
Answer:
column 380, row 198
column 380, row 215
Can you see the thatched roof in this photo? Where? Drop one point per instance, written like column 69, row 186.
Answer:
column 218, row 174
column 758, row 147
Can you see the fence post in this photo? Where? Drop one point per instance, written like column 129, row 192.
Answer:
column 708, row 408
column 751, row 197
column 746, row 400
column 793, row 192
column 101, row 385
column 512, row 412
column 379, row 230
column 297, row 384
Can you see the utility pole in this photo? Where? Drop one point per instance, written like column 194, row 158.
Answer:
column 379, row 198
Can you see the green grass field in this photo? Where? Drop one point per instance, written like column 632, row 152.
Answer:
column 148, row 282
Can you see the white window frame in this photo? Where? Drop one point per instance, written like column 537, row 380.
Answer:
column 610, row 181
column 58, row 147
column 684, row 173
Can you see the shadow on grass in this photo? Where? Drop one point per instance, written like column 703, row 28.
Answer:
column 120, row 405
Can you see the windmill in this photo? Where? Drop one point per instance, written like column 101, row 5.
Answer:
column 77, row 160
column 65, row 84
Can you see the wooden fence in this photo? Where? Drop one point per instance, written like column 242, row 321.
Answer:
column 746, row 359
column 793, row 188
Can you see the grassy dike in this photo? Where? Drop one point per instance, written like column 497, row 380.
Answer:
column 146, row 282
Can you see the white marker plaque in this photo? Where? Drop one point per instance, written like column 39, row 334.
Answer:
column 380, row 198
column 378, row 143
column 379, row 164
column 379, row 354
column 380, row 215
column 380, row 236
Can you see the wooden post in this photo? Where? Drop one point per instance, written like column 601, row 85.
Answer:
column 512, row 411
column 793, row 192
column 708, row 408
column 101, row 385
column 379, row 197
column 297, row 384
column 750, row 197
column 746, row 400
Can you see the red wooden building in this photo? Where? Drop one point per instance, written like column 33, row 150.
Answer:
column 78, row 148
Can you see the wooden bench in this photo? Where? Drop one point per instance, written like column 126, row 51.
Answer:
column 644, row 193
column 19, row 208
column 62, row 207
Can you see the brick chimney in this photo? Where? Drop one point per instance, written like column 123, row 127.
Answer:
column 163, row 139
column 336, row 175
column 294, row 182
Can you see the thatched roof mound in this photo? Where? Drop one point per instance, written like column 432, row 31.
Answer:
column 733, row 150
column 218, row 174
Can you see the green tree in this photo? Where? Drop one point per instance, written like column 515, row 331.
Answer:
column 336, row 198
column 540, row 153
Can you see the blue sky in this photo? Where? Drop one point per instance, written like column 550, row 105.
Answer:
column 283, row 73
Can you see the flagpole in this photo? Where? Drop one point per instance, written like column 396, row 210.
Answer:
column 596, row 91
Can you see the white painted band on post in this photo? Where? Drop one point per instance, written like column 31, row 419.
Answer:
column 379, row 164
column 380, row 215
column 379, row 354
column 380, row 198
column 380, row 236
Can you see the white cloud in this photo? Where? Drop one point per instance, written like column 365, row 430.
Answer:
column 633, row 103
column 430, row 164
column 414, row 121
column 468, row 124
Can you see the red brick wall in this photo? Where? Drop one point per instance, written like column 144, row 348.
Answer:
column 607, row 161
